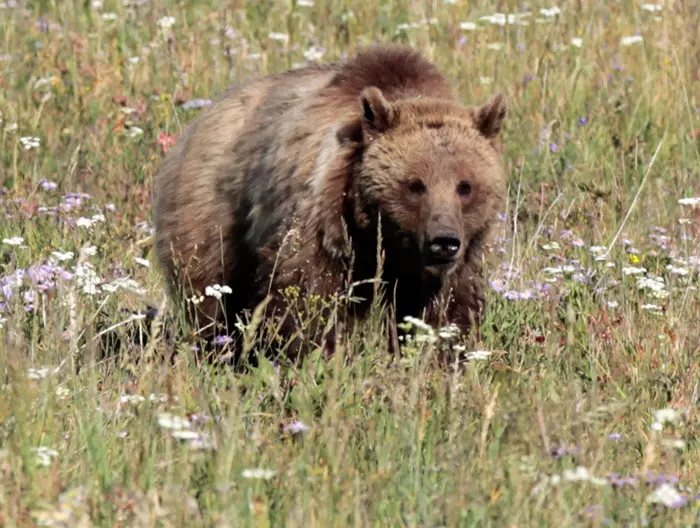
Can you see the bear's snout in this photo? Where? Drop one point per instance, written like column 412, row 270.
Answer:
column 442, row 245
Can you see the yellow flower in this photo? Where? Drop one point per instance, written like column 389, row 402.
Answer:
column 634, row 259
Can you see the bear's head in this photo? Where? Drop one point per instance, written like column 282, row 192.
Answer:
column 432, row 171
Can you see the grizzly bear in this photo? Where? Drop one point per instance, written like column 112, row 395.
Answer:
column 311, row 177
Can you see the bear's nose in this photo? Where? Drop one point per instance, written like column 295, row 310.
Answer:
column 444, row 247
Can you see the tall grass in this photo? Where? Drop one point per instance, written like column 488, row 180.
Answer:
column 579, row 406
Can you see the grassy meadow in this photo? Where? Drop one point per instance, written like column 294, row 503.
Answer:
column 578, row 407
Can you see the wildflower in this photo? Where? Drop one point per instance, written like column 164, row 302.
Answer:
column 48, row 185
column 485, row 80
column 501, row 19
column 497, row 285
column 62, row 392
column 614, row 436
column 216, row 291
column 185, row 435
column 196, row 299
column 581, row 474
column 673, row 443
column 222, row 340
column 109, row 16
column 132, row 399
column 170, row 421
column 551, row 246
column 45, row 455
column 159, row 398
column 203, row 441
column 88, row 222
column 130, row 285
column 655, row 286
column 693, row 202
column 166, row 140
column 630, row 270
column 296, row 427
column 652, row 7
column 277, row 36
column 553, row 271
column 667, row 415
column 134, row 131
column 551, row 12
column 449, row 332
column 668, row 496
column 675, row 270
column 30, row 142
column 425, row 338
column 40, row 373
column 144, row 262
column 199, row 418
column 468, row 26
column 617, row 481
column 258, row 473
column 88, row 251
column 305, row 3
column 166, row 22
column 613, row 304
column 196, row 103
column 418, row 323
column 628, row 41
column 494, row 46
column 478, row 355
column 577, row 42
column 314, row 53
column 14, row 241
column 87, row 278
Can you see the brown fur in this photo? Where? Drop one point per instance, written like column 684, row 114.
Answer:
column 280, row 181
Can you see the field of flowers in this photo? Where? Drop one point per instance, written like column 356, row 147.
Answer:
column 579, row 406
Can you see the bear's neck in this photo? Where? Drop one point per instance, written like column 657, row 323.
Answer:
column 408, row 289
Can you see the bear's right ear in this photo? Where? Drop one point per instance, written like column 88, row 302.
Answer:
column 377, row 114
column 490, row 117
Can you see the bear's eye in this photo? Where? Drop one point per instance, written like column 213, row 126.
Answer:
column 417, row 186
column 464, row 189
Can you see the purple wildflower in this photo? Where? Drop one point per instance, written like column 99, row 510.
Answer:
column 511, row 295
column 563, row 450
column 48, row 185
column 196, row 103
column 497, row 285
column 296, row 427
column 582, row 121
column 222, row 340
column 614, row 436
column 660, row 478
column 619, row 482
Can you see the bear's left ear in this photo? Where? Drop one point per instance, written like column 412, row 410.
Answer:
column 377, row 114
column 490, row 117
